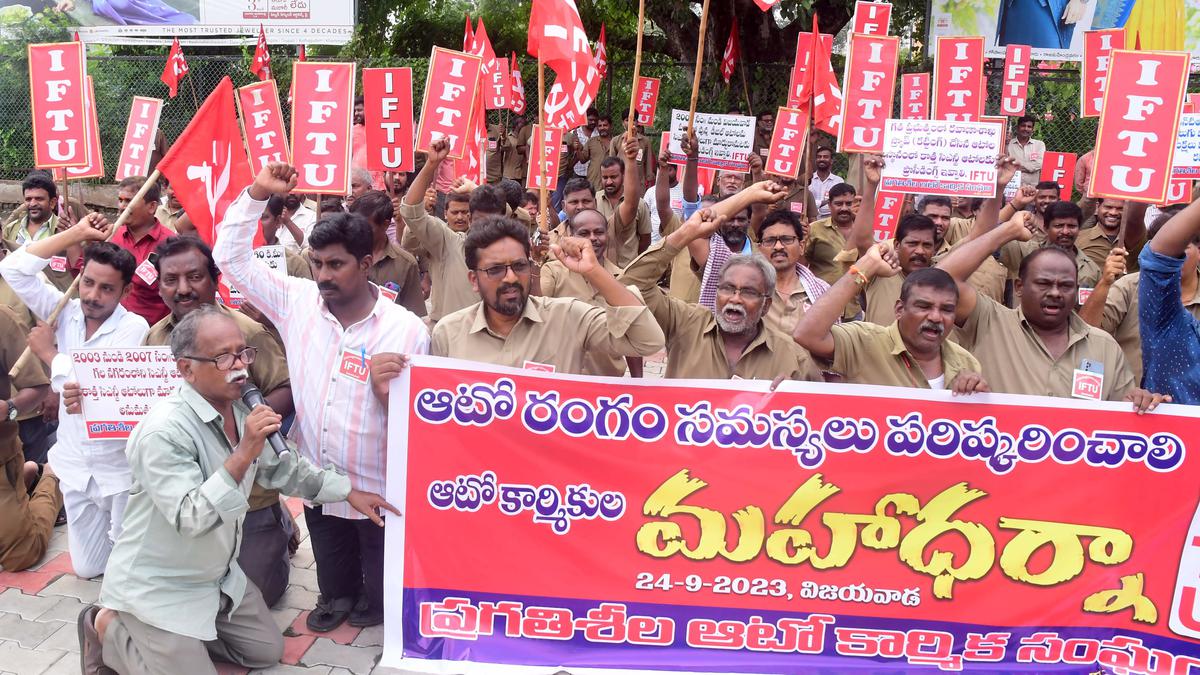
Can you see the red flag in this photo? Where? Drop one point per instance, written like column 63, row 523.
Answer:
column 207, row 165
column 732, row 51
column 481, row 46
column 261, row 65
column 77, row 37
column 556, row 34
column 602, row 53
column 555, row 31
column 468, row 36
column 175, row 68
column 518, row 88
column 826, row 94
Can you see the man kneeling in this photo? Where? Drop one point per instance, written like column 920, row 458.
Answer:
column 173, row 594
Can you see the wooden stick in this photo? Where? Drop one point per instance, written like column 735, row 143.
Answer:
column 637, row 69
column 320, row 198
column 195, row 99
column 65, row 207
column 543, row 194
column 746, row 89
column 70, row 292
column 699, row 67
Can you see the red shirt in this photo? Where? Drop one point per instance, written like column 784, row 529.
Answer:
column 143, row 299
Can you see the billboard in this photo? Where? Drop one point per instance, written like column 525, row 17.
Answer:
column 228, row 21
column 1054, row 28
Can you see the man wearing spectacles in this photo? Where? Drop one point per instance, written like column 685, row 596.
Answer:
column 347, row 339
column 730, row 340
column 510, row 328
column 94, row 474
column 173, row 597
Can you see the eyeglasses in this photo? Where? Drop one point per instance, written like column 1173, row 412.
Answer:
column 747, row 293
column 786, row 240
column 225, row 361
column 519, row 268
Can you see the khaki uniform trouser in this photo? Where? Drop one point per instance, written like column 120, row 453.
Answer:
column 26, row 521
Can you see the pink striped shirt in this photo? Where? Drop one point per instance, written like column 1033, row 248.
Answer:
column 339, row 422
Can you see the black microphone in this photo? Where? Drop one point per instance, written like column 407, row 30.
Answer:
column 251, row 396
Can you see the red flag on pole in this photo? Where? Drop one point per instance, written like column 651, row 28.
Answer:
column 262, row 57
column 481, row 46
column 556, row 34
column 468, row 36
column 207, row 165
column 175, row 68
column 826, row 94
column 517, row 102
column 732, row 52
column 602, row 53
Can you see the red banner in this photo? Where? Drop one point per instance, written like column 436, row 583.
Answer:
column 914, row 104
column 59, row 105
column 872, row 18
column 139, row 137
column 888, row 206
column 262, row 124
column 1179, row 192
column 552, row 149
column 499, row 88
column 958, row 91
column 1016, row 80
column 1135, row 144
column 449, row 94
column 870, row 91
column 787, row 143
column 797, row 87
column 387, row 98
column 95, row 166
column 321, row 122
column 1060, row 168
column 720, row 527
column 647, row 100
column 1098, row 46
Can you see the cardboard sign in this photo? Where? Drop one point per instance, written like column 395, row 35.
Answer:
column 552, row 139
column 449, row 95
column 139, row 137
column 120, row 385
column 59, row 105
column 262, row 124
column 872, row 18
column 388, row 117
column 499, row 86
column 1098, row 46
column 958, row 85
column 1135, row 144
column 321, row 122
column 726, row 141
column 888, row 206
column 647, row 100
column 95, row 166
column 940, row 157
column 870, row 91
column 1016, row 80
column 914, row 102
column 797, row 94
column 787, row 143
column 1060, row 168
column 1187, row 147
column 1003, row 122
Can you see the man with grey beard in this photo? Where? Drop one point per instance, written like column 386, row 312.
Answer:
column 730, row 340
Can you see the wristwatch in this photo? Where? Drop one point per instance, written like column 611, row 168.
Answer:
column 12, row 410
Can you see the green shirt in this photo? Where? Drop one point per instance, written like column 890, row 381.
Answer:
column 177, row 553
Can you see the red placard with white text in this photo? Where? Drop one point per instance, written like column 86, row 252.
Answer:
column 1098, row 46
column 95, row 166
column 449, row 95
column 870, row 89
column 262, row 124
column 321, row 119
column 1135, row 145
column 59, row 105
column 958, row 91
column 1179, row 191
column 871, row 18
column 552, row 141
column 388, row 114
column 498, row 86
column 139, row 137
column 888, row 206
column 787, row 143
column 1060, row 168
column 914, row 93
column 796, row 91
column 1016, row 80
column 647, row 100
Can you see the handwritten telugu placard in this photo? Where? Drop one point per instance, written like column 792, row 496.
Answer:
column 941, row 157
column 726, row 141
column 120, row 385
column 1187, row 147
column 275, row 259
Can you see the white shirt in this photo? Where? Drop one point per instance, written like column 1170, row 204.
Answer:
column 819, row 188
column 339, row 422
column 584, row 136
column 938, row 382
column 652, row 203
column 305, row 219
column 74, row 458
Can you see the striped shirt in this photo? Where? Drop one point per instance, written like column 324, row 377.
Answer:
column 719, row 254
column 339, row 422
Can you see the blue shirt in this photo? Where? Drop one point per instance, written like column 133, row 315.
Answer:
column 1170, row 335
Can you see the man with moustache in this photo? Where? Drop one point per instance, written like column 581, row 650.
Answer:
column 621, row 203
column 1099, row 234
column 1062, row 220
column 781, row 241
column 1034, row 199
column 827, row 238
column 823, row 179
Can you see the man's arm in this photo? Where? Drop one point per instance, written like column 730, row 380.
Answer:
column 421, row 229
column 862, row 234
column 1092, row 311
column 21, row 267
column 963, row 261
column 990, row 213
column 763, row 192
column 633, row 185
column 691, row 170
column 814, row 329
column 578, row 256
column 1133, row 220
column 1175, row 235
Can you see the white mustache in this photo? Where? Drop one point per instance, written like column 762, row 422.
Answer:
column 235, row 374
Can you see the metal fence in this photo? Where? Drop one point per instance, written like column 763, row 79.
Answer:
column 1053, row 96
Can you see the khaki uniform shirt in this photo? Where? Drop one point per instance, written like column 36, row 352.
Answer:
column 557, row 332
column 1121, row 318
column 824, row 243
column 696, row 346
column 785, row 311
column 452, row 289
column 32, row 374
column 595, row 151
column 1012, row 253
column 799, row 199
column 296, row 264
column 882, row 294
column 399, row 268
column 269, row 371
column 168, row 217
column 560, row 282
column 1015, row 360
column 495, row 155
column 990, row 277
column 867, row 353
column 1096, row 246
column 616, row 148
column 16, row 235
column 623, row 237
column 515, row 164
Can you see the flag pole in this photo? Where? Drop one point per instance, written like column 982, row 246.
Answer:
column 637, row 69
column 195, row 99
column 699, row 67
column 70, row 292
column 66, row 195
column 746, row 88
column 543, row 195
